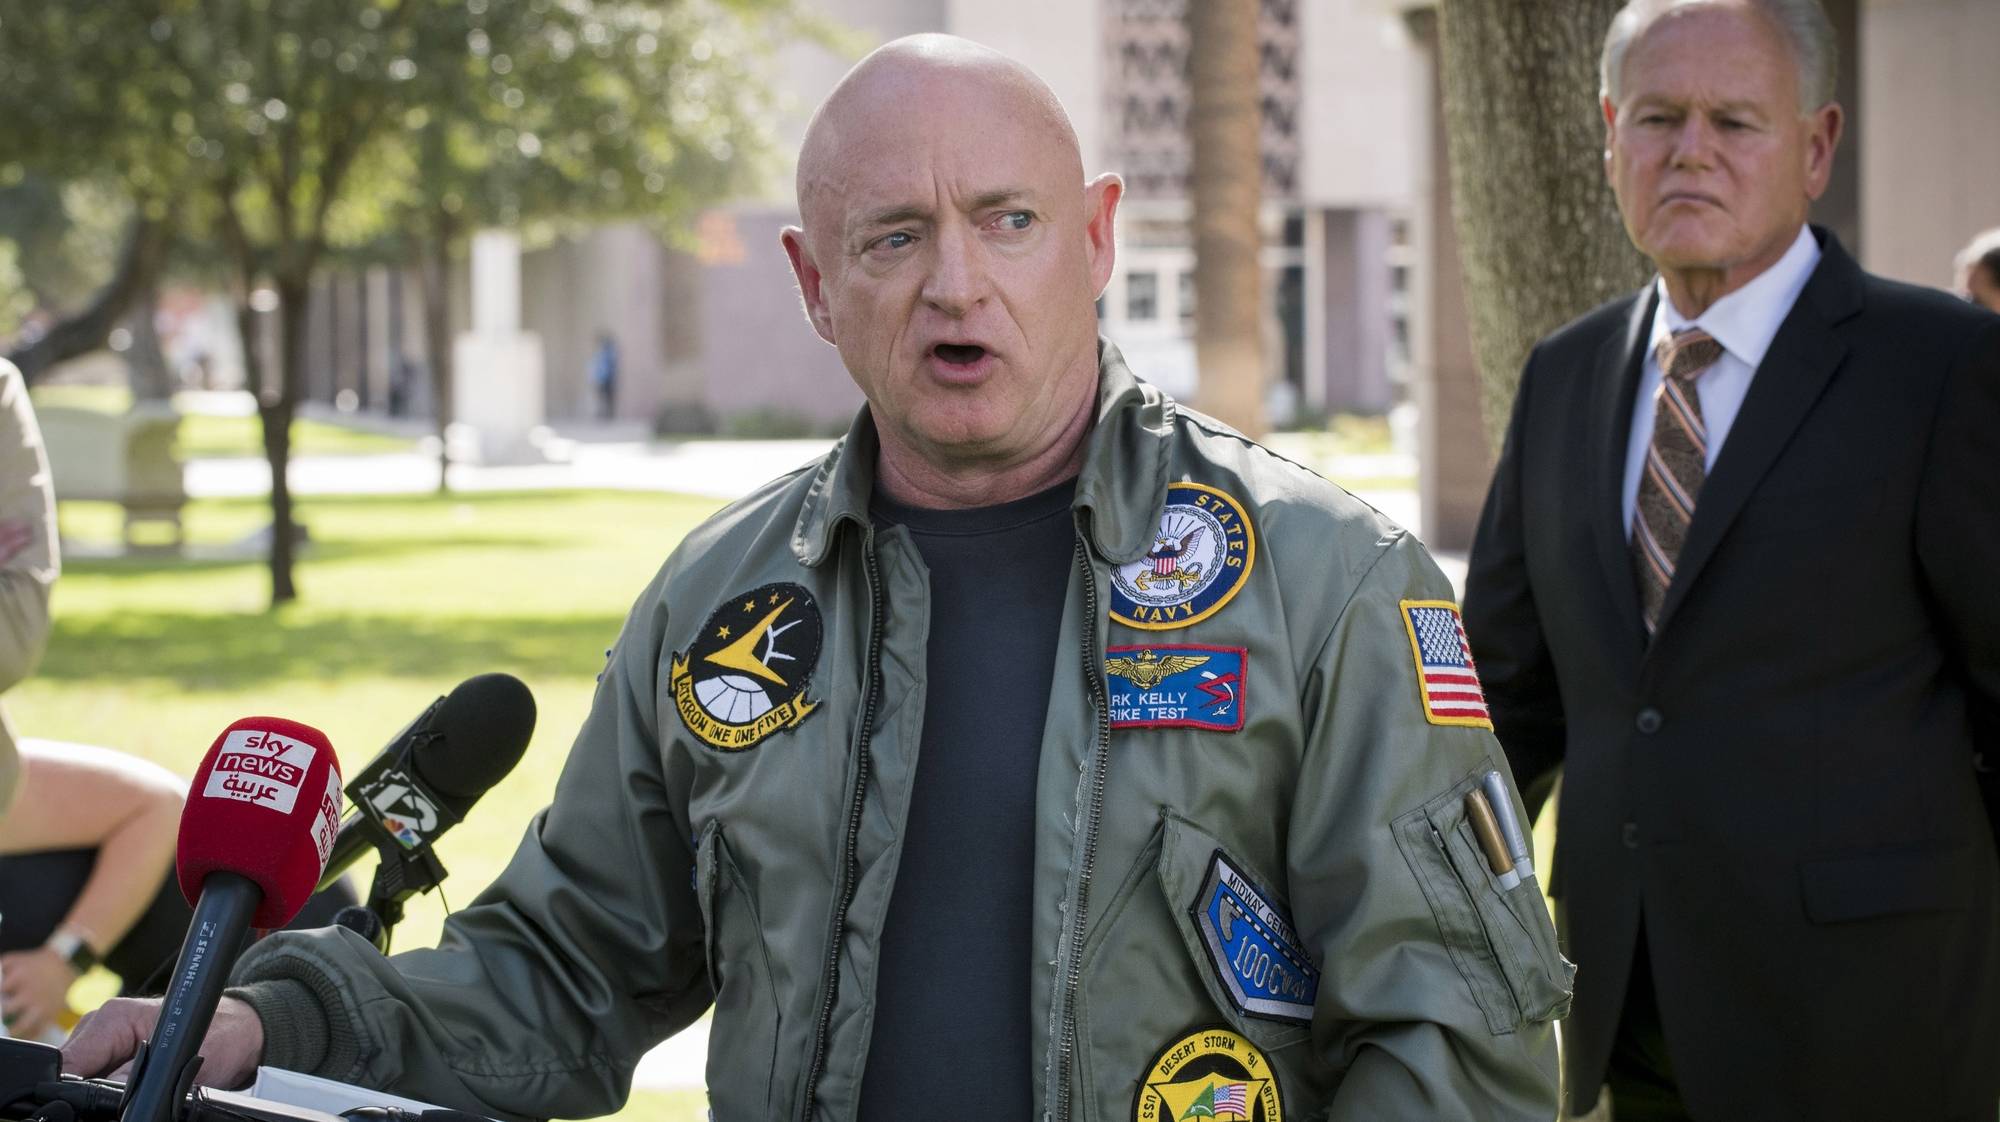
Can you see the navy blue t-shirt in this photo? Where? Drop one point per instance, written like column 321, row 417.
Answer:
column 951, row 1034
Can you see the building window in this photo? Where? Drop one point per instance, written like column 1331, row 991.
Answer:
column 1142, row 297
column 1187, row 300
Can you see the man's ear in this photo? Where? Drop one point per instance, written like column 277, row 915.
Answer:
column 1821, row 142
column 1610, row 114
column 1100, row 227
column 810, row 282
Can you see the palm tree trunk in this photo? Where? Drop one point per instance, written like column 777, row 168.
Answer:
column 1224, row 128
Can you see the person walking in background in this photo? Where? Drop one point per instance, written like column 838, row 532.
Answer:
column 1735, row 577
column 1979, row 270
column 604, row 375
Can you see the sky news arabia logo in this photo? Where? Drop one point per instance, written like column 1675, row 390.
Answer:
column 261, row 767
column 326, row 828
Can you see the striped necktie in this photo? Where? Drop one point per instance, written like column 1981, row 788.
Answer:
column 1676, row 464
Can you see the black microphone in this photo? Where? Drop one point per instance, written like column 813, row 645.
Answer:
column 434, row 770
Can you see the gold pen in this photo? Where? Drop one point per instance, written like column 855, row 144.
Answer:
column 1486, row 828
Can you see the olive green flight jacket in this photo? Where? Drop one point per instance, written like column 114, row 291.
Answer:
column 1256, row 886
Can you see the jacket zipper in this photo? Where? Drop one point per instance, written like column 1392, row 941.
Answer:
column 1093, row 674
column 850, row 859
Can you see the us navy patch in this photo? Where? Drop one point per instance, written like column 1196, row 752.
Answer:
column 1177, row 686
column 1209, row 1073
column 1200, row 557
column 745, row 674
column 1259, row 958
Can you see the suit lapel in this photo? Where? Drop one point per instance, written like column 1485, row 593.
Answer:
column 1616, row 384
column 1802, row 359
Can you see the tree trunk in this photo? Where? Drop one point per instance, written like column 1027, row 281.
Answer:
column 276, row 411
column 1224, row 128
column 145, row 362
column 435, row 276
column 140, row 260
column 1538, row 228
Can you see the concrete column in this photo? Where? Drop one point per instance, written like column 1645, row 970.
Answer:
column 1930, row 175
column 1355, row 309
column 1453, row 463
column 383, row 335
column 496, row 367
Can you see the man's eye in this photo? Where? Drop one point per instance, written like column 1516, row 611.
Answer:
column 1017, row 220
column 897, row 240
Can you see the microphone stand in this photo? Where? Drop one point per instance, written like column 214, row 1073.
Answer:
column 402, row 873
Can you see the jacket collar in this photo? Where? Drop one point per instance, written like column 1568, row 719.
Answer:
column 1123, row 486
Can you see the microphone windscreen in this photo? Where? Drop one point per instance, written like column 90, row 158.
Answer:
column 265, row 805
column 483, row 728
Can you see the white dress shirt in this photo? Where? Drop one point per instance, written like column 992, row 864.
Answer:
column 1744, row 322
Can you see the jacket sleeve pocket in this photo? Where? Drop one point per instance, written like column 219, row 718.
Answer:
column 1500, row 938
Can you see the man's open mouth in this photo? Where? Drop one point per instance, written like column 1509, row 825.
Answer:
column 959, row 354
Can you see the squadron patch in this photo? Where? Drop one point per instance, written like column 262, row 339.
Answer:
column 1256, row 954
column 1447, row 681
column 745, row 674
column 1200, row 557
column 1209, row 1073
column 1177, row 686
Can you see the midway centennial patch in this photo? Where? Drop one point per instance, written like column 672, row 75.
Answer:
column 745, row 674
column 1200, row 557
column 1256, row 954
column 1209, row 1073
column 1177, row 686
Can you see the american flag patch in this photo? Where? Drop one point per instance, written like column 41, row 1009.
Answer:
column 1449, row 683
column 1231, row 1099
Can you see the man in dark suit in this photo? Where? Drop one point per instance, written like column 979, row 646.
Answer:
column 1739, row 576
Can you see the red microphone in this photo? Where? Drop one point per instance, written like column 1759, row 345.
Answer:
column 260, row 820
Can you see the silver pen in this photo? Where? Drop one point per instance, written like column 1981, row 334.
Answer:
column 1510, row 824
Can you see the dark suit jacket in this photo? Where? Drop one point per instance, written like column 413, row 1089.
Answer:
column 1782, row 781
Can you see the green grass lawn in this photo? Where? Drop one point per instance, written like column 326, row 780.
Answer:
column 204, row 435
column 401, row 599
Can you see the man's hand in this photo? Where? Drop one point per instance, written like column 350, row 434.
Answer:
column 34, row 991
column 105, row 1041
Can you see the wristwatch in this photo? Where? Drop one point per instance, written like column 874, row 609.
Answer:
column 70, row 946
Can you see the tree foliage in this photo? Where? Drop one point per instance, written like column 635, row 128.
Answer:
column 280, row 129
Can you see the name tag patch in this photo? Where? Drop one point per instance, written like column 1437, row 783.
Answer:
column 1257, row 956
column 1176, row 686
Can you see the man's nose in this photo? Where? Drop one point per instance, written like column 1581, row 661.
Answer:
column 957, row 278
column 1694, row 143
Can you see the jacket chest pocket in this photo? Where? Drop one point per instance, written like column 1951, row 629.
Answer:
column 1153, row 976
column 743, row 1036
column 1238, row 930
